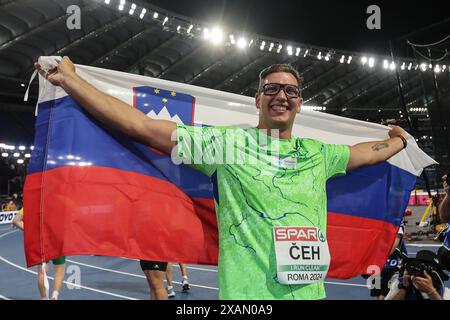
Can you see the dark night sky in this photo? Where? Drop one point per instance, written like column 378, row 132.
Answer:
column 336, row 24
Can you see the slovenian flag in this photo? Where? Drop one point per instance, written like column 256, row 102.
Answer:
column 92, row 190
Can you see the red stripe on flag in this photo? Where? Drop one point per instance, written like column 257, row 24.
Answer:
column 111, row 212
column 357, row 243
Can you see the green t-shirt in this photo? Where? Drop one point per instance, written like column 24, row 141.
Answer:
column 271, row 182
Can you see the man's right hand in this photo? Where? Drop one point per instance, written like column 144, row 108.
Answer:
column 58, row 75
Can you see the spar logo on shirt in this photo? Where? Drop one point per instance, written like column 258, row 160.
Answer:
column 298, row 234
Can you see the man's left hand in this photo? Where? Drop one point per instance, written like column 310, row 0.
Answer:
column 397, row 131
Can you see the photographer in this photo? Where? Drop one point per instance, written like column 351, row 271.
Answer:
column 423, row 279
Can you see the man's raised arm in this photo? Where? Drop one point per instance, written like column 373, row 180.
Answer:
column 370, row 153
column 111, row 111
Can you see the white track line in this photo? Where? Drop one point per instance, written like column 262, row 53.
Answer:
column 134, row 275
column 346, row 284
column 69, row 283
column 423, row 245
column 5, row 234
column 196, row 268
column 192, row 268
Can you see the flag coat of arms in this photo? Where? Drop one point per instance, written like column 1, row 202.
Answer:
column 92, row 190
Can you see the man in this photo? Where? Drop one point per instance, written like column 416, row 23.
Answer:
column 426, row 281
column 154, row 272
column 58, row 264
column 287, row 188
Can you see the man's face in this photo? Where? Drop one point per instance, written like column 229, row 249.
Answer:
column 278, row 111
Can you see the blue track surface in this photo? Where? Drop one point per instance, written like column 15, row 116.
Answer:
column 107, row 278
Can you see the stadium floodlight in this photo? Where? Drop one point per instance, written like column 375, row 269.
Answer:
column 280, row 46
column 327, row 57
column 262, row 45
column 232, row 39
column 121, row 5
column 403, row 66
column 12, row 147
column 371, row 62
column 430, row 66
column 423, row 66
column 178, row 29
column 364, row 60
column 342, row 59
column 385, row 64
column 444, row 67
column 319, row 56
column 271, row 46
column 27, row 155
column 155, row 15
column 410, row 66
column 190, row 28
column 16, row 154
column 19, row 161
column 306, row 53
column 22, row 85
column 2, row 145
column 206, row 34
column 165, row 20
column 437, row 69
column 349, row 59
column 21, row 147
column 31, row 147
column 107, row 1
column 289, row 50
column 4, row 155
column 297, row 52
column 242, row 43
column 143, row 12
column 216, row 35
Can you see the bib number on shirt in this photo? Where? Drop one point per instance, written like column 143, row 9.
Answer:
column 301, row 253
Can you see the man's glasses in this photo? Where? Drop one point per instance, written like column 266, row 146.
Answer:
column 272, row 89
